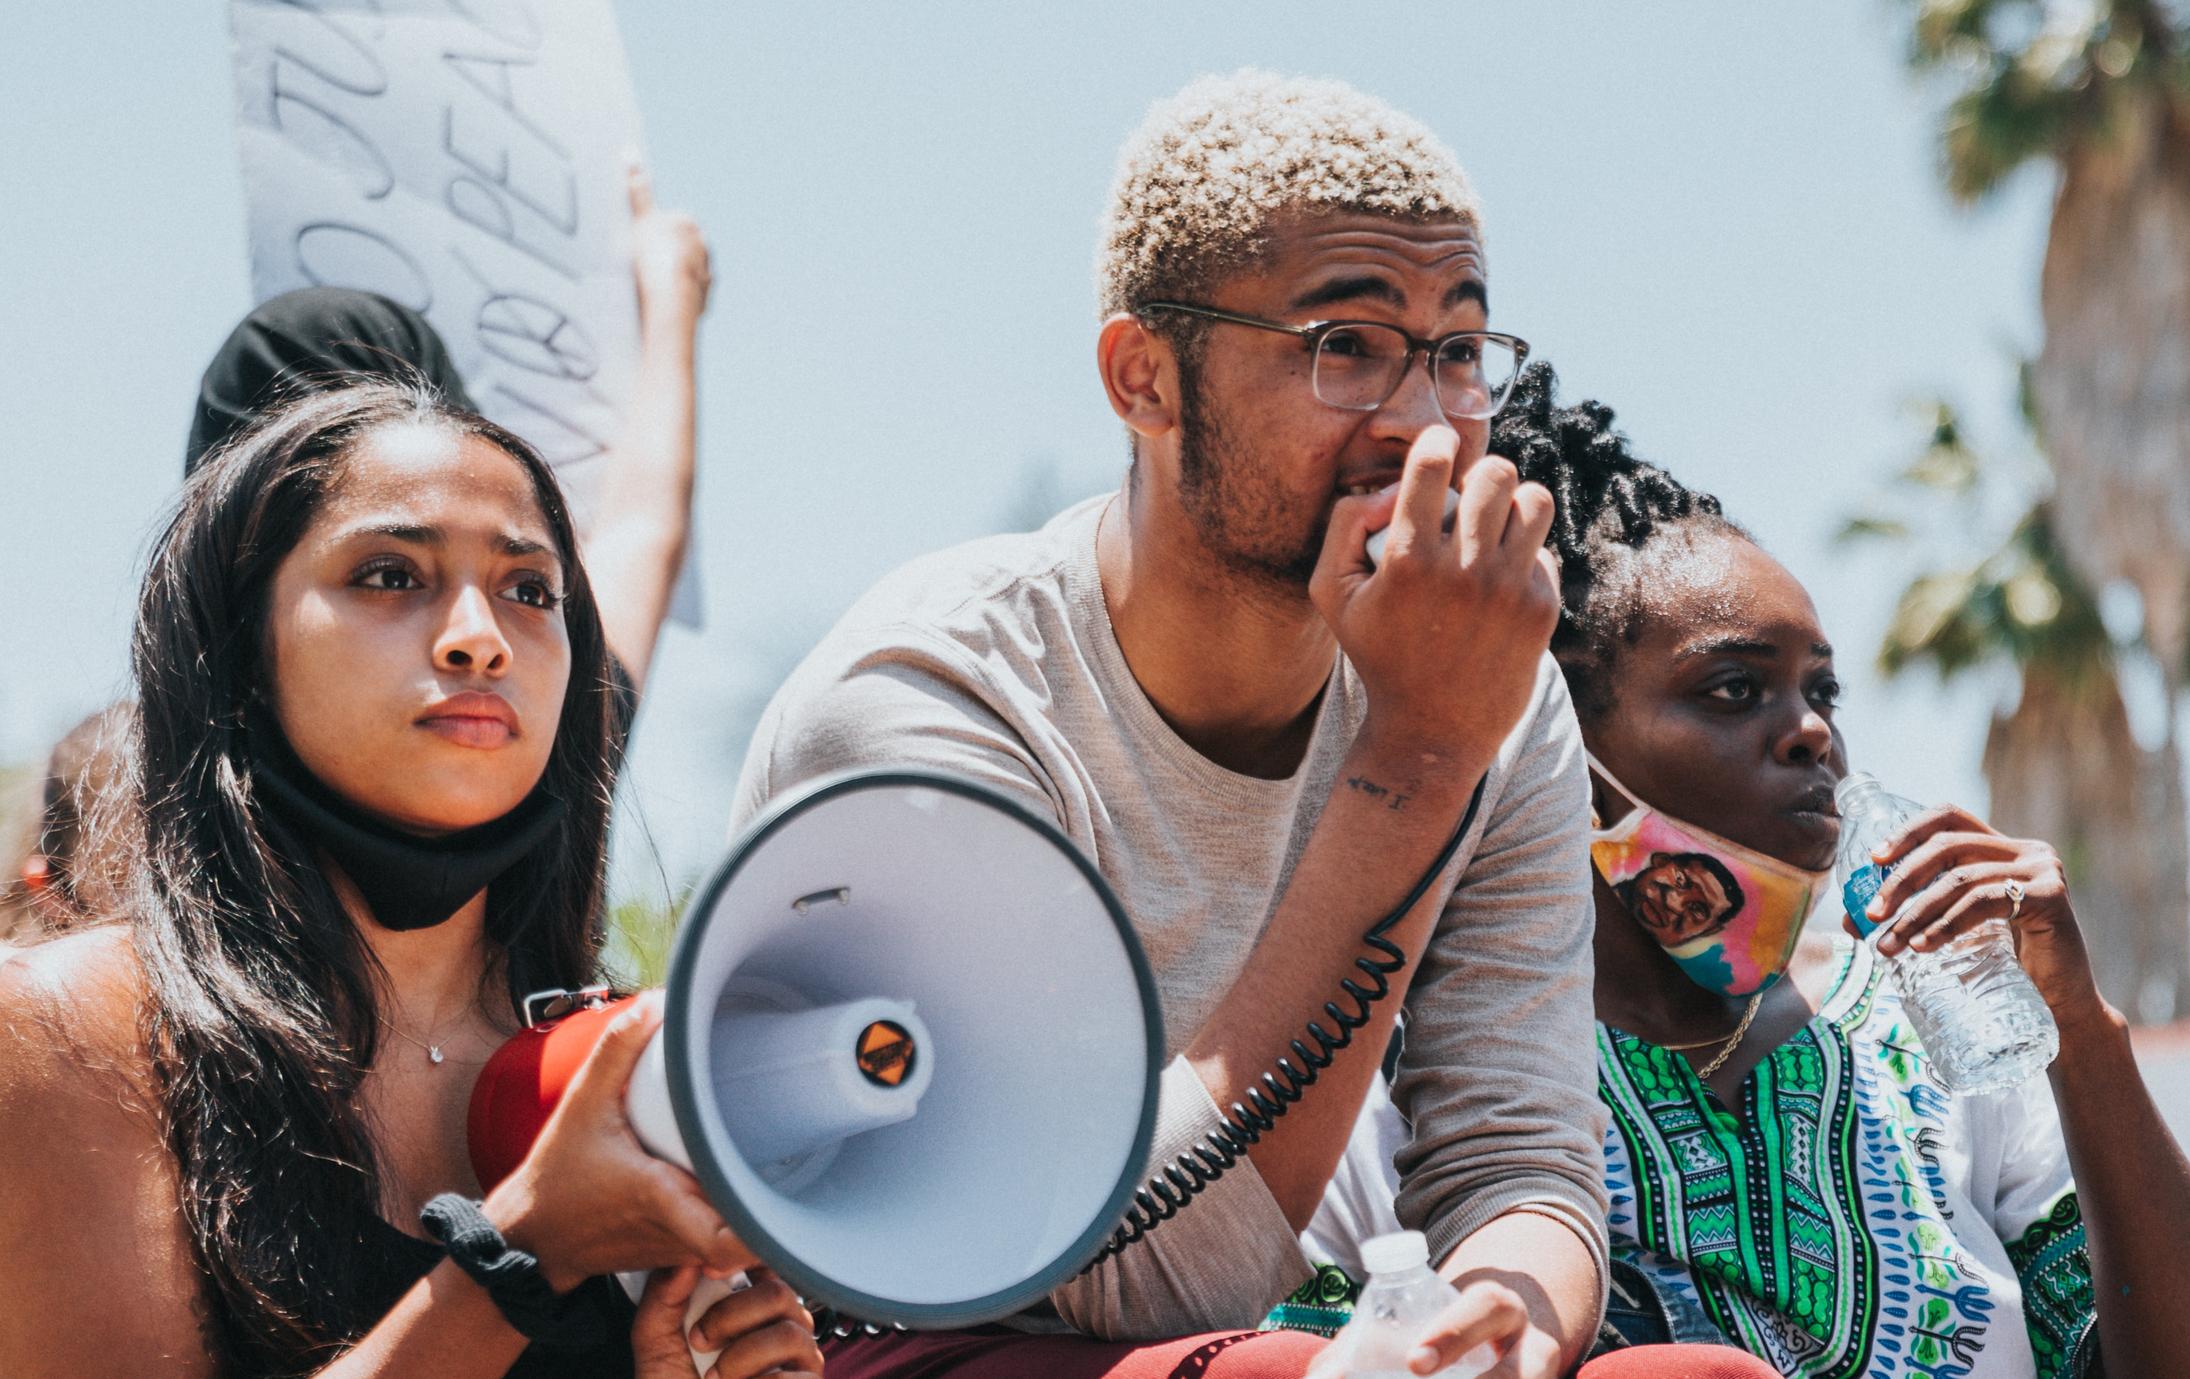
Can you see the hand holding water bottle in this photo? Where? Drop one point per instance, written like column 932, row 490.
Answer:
column 1950, row 871
column 1410, row 1323
column 1944, row 898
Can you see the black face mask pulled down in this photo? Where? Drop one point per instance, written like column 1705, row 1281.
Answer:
column 408, row 882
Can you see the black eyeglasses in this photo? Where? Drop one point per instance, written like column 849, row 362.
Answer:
column 1358, row 365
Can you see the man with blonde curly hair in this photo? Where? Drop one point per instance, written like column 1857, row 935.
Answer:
column 1252, row 727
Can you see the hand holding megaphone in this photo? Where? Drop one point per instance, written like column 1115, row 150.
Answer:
column 761, row 1329
column 909, row 1049
column 589, row 1199
column 556, row 1117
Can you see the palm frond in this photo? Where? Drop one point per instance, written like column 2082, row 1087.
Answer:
column 2015, row 114
column 1939, row 622
column 1952, row 30
column 1872, row 529
column 1946, row 464
column 640, row 935
column 2035, row 78
column 2021, row 605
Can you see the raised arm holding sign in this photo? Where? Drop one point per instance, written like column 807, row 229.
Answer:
column 636, row 544
column 467, row 159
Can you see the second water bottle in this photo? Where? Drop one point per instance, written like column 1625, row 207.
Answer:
column 1402, row 1297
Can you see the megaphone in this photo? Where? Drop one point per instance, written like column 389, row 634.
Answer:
column 909, row 1048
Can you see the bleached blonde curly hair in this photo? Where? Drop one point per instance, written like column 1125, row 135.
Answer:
column 1198, row 182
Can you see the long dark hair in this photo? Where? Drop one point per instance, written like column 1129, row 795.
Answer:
column 261, row 1013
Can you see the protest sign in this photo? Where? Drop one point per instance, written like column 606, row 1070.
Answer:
column 467, row 159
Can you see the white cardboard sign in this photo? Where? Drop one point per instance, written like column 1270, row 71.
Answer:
column 467, row 159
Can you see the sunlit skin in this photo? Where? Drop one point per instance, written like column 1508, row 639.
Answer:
column 418, row 663
column 418, row 666
column 1678, row 901
column 1234, row 490
column 1722, row 716
column 420, row 660
column 1722, row 704
column 1234, row 573
column 419, row 653
column 1261, row 492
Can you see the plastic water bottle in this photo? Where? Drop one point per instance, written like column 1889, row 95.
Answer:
column 1983, row 1024
column 1402, row 1297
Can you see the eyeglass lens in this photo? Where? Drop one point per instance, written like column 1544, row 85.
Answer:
column 1358, row 367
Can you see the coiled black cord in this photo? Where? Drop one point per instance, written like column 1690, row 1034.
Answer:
column 1191, row 1173
column 1188, row 1176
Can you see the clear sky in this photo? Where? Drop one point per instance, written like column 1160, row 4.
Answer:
column 1722, row 219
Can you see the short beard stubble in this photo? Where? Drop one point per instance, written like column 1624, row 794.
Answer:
column 1244, row 525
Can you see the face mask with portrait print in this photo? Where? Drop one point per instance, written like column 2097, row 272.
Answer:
column 1728, row 915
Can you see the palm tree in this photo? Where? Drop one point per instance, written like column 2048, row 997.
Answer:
column 2101, row 89
column 2062, row 763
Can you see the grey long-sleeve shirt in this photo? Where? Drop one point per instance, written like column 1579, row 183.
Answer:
column 996, row 661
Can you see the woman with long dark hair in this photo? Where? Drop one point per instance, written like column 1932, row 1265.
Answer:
column 316, row 339
column 375, row 745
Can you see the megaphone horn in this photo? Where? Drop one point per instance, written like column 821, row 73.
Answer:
column 909, row 1048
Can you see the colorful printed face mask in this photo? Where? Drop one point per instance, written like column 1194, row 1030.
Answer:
column 1729, row 915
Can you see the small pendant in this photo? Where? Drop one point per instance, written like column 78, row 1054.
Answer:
column 434, row 1052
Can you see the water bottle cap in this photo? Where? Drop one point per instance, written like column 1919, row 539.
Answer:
column 1395, row 1253
column 1855, row 785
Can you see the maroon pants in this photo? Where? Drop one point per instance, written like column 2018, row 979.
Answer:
column 994, row 1353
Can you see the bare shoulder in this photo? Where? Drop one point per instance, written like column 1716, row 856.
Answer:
column 73, row 1004
column 91, row 1208
column 96, row 961
column 73, row 1061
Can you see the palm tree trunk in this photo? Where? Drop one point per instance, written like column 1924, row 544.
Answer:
column 2063, row 766
column 2113, row 381
column 2112, row 387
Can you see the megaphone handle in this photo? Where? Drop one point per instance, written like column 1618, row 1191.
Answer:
column 1179, row 1182
column 710, row 1292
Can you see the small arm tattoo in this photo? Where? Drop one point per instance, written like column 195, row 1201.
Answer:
column 1391, row 799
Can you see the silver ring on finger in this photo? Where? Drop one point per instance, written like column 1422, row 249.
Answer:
column 2015, row 894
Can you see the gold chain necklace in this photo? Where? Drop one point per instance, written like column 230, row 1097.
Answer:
column 1712, row 1042
column 1703, row 1074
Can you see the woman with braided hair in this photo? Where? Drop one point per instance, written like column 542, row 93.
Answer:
column 1786, row 1173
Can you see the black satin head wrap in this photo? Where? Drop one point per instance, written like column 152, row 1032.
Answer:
column 303, row 341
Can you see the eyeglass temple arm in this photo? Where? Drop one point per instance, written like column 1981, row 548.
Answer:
column 1214, row 314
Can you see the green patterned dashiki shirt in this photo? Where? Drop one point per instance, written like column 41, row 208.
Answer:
column 1861, row 1223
